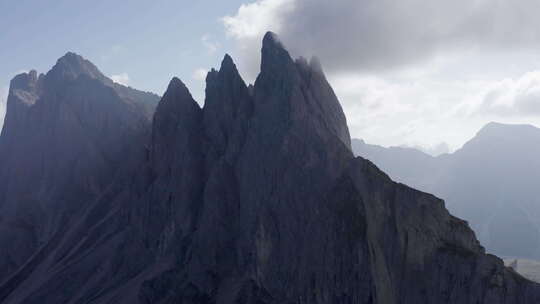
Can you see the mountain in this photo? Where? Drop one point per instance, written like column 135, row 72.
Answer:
column 491, row 182
column 404, row 164
column 66, row 137
column 254, row 198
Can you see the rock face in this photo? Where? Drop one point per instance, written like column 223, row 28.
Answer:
column 490, row 182
column 66, row 136
column 257, row 198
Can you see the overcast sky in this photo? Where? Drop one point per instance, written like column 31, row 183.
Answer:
column 410, row 72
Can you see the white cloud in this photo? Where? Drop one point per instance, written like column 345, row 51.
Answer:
column 210, row 45
column 390, row 113
column 199, row 74
column 254, row 19
column 426, row 110
column 248, row 26
column 513, row 97
column 3, row 103
column 122, row 78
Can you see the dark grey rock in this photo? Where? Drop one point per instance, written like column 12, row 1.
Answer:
column 65, row 136
column 257, row 198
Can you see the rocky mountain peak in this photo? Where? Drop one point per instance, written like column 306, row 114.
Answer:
column 271, row 41
column 71, row 66
column 227, row 78
column 300, row 91
column 177, row 112
column 227, row 106
column 274, row 57
column 25, row 81
column 178, row 96
column 175, row 109
column 227, row 63
column 24, row 89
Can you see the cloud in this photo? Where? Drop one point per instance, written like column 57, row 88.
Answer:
column 384, row 34
column 122, row 78
column 248, row 26
column 424, row 110
column 199, row 74
column 254, row 19
column 513, row 97
column 393, row 112
column 210, row 45
column 3, row 104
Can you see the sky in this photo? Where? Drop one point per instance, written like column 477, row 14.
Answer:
column 422, row 73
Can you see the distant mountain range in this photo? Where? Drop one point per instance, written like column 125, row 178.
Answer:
column 112, row 195
column 492, row 182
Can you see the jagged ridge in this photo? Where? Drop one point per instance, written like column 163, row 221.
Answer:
column 257, row 198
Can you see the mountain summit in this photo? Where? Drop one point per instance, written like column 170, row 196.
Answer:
column 71, row 66
column 255, row 198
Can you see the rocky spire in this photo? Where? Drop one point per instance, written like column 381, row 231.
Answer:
column 177, row 163
column 25, row 81
column 24, row 91
column 176, row 109
column 299, row 91
column 178, row 99
column 228, row 105
column 177, row 114
column 274, row 56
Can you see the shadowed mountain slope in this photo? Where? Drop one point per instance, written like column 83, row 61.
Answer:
column 257, row 198
column 66, row 136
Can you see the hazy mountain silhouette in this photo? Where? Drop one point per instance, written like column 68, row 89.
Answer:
column 255, row 198
column 66, row 136
column 491, row 182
